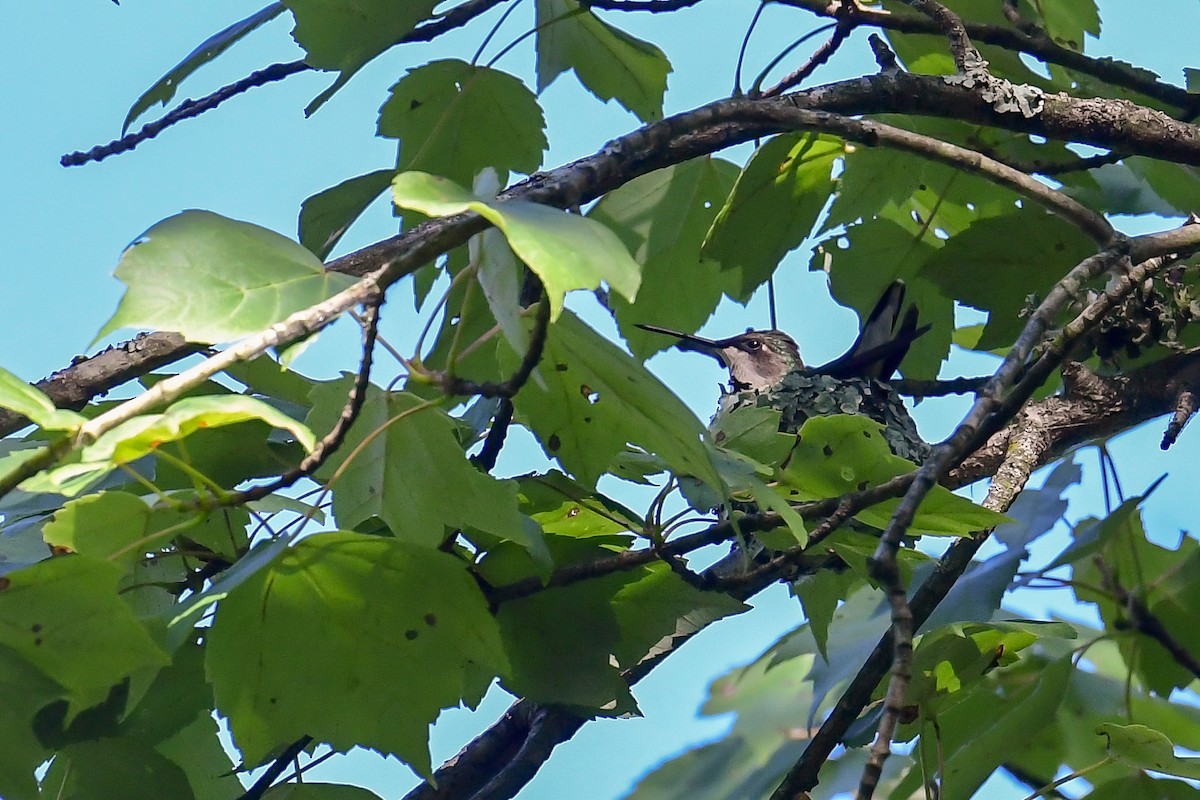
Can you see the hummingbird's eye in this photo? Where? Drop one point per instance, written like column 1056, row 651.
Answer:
column 753, row 344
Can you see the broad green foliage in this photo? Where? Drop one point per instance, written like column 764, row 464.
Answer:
column 566, row 251
column 773, row 206
column 215, row 279
column 30, row 402
column 433, row 101
column 596, row 399
column 383, row 603
column 325, row 217
column 150, row 618
column 63, row 616
column 344, row 36
column 608, row 61
column 403, row 465
column 663, row 219
column 840, row 454
column 145, row 435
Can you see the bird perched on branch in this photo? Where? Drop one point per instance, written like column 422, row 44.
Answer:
column 765, row 369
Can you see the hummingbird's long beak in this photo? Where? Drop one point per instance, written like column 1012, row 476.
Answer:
column 697, row 344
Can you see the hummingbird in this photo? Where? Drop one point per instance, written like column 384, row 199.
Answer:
column 765, row 368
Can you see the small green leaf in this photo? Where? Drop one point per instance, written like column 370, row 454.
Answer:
column 326, row 216
column 555, row 658
column 454, row 119
column 414, row 476
column 214, row 279
column 142, row 435
column 663, row 218
column 29, row 401
column 597, row 399
column 64, row 616
column 565, row 250
column 773, row 206
column 608, row 61
column 840, row 454
column 381, row 603
column 659, row 606
column 1146, row 748
column 563, row 507
column 310, row 790
column 981, row 268
column 164, row 89
column 345, row 36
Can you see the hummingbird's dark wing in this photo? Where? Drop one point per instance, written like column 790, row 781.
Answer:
column 883, row 342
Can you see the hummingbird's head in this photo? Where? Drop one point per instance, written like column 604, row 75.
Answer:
column 755, row 359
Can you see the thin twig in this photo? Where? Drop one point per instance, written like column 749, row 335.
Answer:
column 845, row 26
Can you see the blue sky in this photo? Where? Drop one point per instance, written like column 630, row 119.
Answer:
column 73, row 71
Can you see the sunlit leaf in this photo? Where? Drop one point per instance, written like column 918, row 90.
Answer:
column 840, row 454
column 214, row 279
column 565, row 250
column 454, row 119
column 29, row 401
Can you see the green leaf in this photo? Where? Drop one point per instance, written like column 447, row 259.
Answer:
column 327, row 215
column 121, row 527
column 663, row 218
column 980, row 266
column 820, row 593
column 144, row 435
column 566, row 251
column 608, row 61
column 344, row 36
column 30, row 401
column 839, row 454
column 1068, row 20
column 65, row 618
column 773, row 206
column 997, row 728
column 754, row 432
column 556, row 658
column 164, row 89
column 24, row 691
column 214, row 279
column 414, row 476
column 598, row 398
column 381, row 603
column 318, row 791
column 114, row 767
column 501, row 277
column 659, row 606
column 454, row 119
column 563, row 507
column 1146, row 748
column 1093, row 535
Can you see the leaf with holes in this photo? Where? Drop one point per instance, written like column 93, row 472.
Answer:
column 841, row 454
column 597, row 398
column 381, row 603
column 455, row 119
